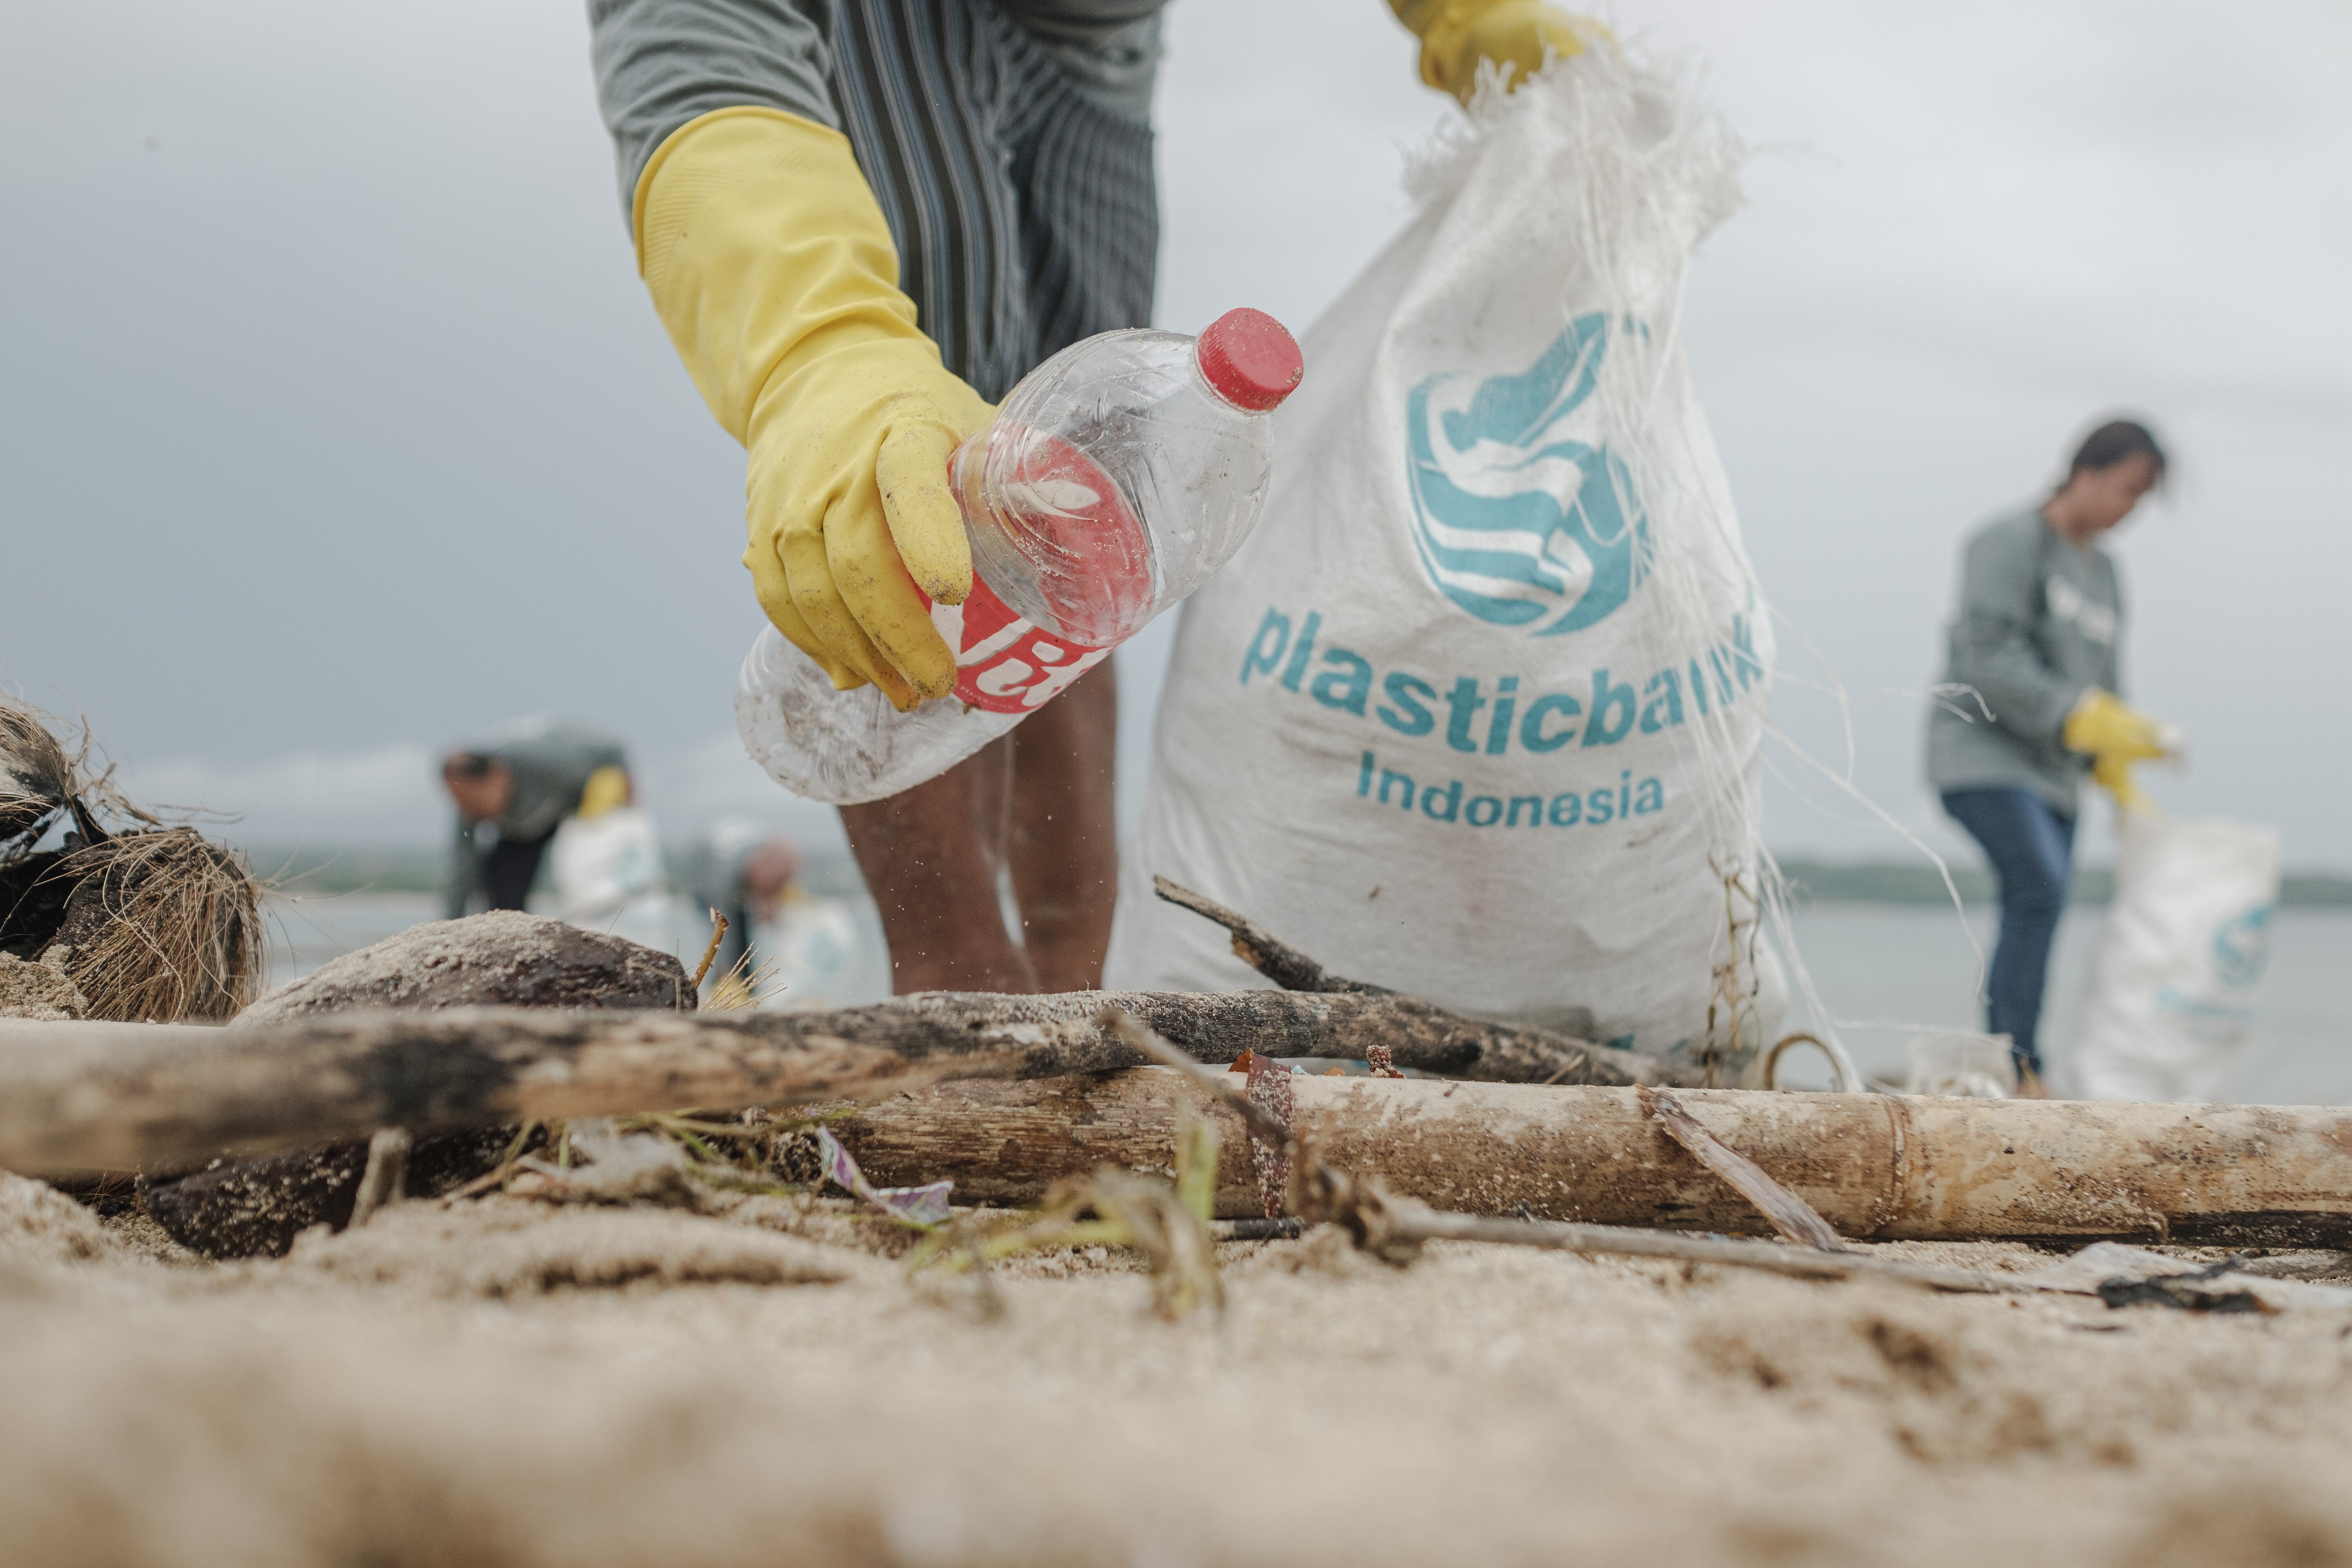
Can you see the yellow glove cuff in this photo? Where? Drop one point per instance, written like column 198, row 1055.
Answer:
column 770, row 265
column 760, row 243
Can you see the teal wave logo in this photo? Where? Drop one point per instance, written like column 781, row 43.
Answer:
column 1515, row 519
column 2242, row 947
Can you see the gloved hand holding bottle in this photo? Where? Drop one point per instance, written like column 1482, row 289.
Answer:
column 2115, row 735
column 774, row 273
column 773, row 270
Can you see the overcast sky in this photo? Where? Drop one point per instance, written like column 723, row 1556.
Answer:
column 335, row 426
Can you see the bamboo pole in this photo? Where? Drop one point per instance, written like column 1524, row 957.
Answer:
column 1876, row 1167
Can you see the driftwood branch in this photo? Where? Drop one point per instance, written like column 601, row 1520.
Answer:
column 131, row 1096
column 1581, row 1061
column 1789, row 1215
column 1262, row 949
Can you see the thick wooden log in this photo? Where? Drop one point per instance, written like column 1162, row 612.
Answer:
column 1877, row 1167
column 158, row 1097
column 77, row 1096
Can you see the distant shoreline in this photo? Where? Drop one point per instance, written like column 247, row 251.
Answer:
column 1887, row 882
column 323, row 872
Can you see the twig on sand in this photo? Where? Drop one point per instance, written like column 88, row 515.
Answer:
column 1411, row 1223
column 1791, row 1215
column 384, row 1181
column 1166, row 1222
column 711, row 953
column 1142, row 1037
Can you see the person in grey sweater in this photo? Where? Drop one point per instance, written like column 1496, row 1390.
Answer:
column 2030, row 704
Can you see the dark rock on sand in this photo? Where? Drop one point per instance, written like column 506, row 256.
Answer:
column 502, row 959
column 258, row 1207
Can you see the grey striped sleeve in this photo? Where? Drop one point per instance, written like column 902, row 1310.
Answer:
column 660, row 63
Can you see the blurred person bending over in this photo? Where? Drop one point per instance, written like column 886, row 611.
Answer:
column 522, row 786
column 2036, row 639
column 742, row 872
column 861, row 222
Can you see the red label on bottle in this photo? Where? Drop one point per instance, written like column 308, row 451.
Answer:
column 1086, row 553
column 1003, row 663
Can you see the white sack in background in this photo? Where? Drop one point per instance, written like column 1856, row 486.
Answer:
column 2179, row 966
column 607, row 872
column 1477, row 712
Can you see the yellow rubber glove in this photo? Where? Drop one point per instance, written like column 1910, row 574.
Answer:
column 772, row 269
column 607, row 789
column 2115, row 735
column 1455, row 35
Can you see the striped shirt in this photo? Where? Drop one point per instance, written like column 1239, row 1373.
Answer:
column 1008, row 144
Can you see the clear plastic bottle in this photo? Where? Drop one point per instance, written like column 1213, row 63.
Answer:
column 1116, row 477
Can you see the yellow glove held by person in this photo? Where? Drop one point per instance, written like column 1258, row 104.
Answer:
column 2114, row 775
column 1455, row 35
column 2114, row 734
column 774, row 273
column 2104, row 725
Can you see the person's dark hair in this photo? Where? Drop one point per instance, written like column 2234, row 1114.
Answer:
column 2117, row 441
column 470, row 765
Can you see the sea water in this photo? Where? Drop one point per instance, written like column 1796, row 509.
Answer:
column 1881, row 964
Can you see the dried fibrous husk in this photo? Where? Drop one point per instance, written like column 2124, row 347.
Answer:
column 163, row 927
column 150, row 925
column 36, row 772
column 38, row 992
column 40, row 777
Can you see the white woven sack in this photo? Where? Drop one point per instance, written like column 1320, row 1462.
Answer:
column 599, row 863
column 1477, row 712
column 2181, row 961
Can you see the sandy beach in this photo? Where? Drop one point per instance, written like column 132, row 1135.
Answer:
column 509, row 1382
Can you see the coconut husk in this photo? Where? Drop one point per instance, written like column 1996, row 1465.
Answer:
column 39, row 778
column 162, row 927
column 36, row 772
column 35, row 888
column 147, row 923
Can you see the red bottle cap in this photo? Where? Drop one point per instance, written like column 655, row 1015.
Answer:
column 1252, row 361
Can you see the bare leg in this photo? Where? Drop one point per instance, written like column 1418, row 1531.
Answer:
column 930, row 858
column 1064, row 841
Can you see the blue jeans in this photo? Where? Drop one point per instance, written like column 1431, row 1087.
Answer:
column 2031, row 848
